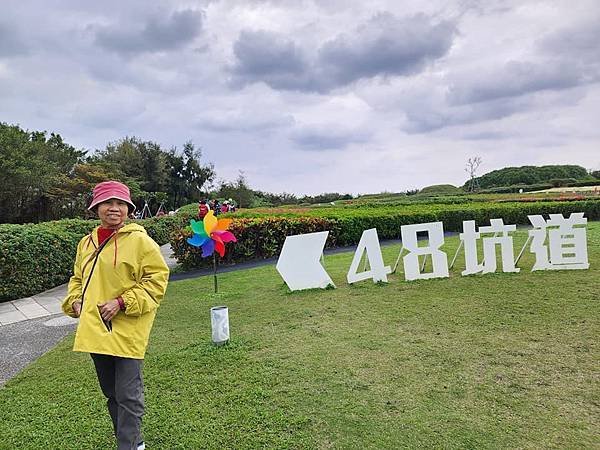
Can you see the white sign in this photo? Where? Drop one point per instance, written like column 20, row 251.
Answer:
column 566, row 249
column 469, row 238
column 299, row 264
column 369, row 244
column 435, row 232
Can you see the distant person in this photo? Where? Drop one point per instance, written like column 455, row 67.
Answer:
column 119, row 280
column 225, row 208
column 202, row 209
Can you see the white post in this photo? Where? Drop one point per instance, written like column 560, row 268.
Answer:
column 456, row 254
column 219, row 320
column 529, row 238
column 424, row 263
column 398, row 259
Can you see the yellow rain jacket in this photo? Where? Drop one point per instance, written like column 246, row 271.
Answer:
column 130, row 266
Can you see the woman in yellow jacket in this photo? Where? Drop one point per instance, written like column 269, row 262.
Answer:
column 119, row 279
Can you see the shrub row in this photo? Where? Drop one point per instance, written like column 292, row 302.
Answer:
column 569, row 182
column 260, row 237
column 37, row 257
column 515, row 188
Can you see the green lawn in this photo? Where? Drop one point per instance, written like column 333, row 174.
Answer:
column 491, row 361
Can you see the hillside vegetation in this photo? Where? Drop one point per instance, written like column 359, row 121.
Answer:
column 441, row 189
column 527, row 175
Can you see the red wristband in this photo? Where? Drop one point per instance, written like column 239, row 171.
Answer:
column 121, row 303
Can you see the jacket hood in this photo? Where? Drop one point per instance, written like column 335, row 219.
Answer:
column 131, row 228
column 128, row 228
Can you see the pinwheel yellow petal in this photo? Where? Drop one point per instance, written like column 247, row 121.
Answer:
column 210, row 222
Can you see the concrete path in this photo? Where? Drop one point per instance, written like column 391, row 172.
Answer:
column 40, row 305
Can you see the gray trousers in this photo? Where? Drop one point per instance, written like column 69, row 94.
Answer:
column 121, row 383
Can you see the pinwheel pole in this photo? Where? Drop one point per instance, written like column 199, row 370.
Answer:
column 211, row 235
column 215, row 272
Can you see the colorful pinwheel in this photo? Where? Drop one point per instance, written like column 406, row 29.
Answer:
column 211, row 234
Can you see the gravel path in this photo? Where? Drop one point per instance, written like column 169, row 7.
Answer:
column 23, row 342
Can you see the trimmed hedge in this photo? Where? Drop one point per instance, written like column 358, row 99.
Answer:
column 538, row 187
column 34, row 258
column 37, row 257
column 160, row 228
column 261, row 238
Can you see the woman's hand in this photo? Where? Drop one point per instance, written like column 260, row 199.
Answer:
column 77, row 308
column 109, row 309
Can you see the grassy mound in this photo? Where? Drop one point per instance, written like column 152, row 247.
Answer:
column 441, row 189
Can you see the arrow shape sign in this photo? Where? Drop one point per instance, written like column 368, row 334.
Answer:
column 298, row 263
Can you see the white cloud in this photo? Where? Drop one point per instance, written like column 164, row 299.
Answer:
column 398, row 93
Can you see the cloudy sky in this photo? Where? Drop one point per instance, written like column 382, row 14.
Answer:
column 310, row 96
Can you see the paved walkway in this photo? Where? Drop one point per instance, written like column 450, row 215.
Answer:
column 48, row 303
column 40, row 305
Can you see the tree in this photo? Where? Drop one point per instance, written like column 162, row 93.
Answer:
column 268, row 199
column 471, row 168
column 239, row 191
column 44, row 178
column 31, row 164
column 194, row 173
column 143, row 161
column 528, row 175
column 180, row 175
column 188, row 177
column 72, row 192
column 326, row 197
column 176, row 188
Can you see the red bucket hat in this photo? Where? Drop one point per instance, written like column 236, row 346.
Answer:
column 111, row 189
